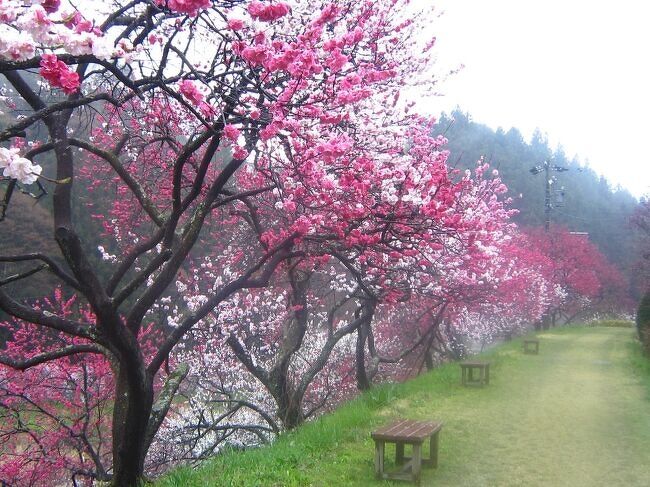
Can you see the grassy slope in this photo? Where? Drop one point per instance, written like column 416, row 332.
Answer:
column 574, row 415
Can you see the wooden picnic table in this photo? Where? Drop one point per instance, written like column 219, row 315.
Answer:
column 467, row 373
column 406, row 432
column 531, row 342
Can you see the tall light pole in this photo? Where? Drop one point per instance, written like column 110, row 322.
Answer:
column 546, row 167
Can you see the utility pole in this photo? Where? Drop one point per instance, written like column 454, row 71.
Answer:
column 546, row 167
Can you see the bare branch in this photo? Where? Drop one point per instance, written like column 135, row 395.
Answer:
column 49, row 356
column 142, row 276
column 131, row 257
column 51, row 265
column 22, row 275
column 20, row 126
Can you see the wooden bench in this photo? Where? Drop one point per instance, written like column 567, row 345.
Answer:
column 406, row 432
column 467, row 373
column 535, row 346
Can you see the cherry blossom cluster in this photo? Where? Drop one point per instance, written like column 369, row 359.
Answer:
column 31, row 28
column 58, row 74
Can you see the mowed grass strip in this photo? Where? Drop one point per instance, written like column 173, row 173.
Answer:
column 577, row 414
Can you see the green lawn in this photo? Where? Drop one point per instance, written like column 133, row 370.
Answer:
column 577, row 414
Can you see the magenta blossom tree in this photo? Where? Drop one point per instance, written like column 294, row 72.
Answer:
column 584, row 278
column 55, row 418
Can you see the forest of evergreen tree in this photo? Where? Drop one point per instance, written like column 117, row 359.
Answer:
column 589, row 202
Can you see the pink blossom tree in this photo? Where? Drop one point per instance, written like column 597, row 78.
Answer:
column 587, row 282
column 193, row 117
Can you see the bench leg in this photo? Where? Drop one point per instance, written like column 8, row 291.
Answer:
column 464, row 375
column 433, row 449
column 487, row 374
column 417, row 462
column 379, row 459
column 399, row 453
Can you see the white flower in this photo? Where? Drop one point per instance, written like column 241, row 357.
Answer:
column 6, row 156
column 23, row 170
column 19, row 168
column 103, row 48
column 15, row 46
column 79, row 44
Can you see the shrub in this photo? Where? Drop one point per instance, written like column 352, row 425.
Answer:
column 643, row 322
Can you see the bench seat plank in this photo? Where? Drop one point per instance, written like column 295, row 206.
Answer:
column 407, row 431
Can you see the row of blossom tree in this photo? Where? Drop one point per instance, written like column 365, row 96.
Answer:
column 282, row 230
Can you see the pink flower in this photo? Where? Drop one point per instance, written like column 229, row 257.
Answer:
column 69, row 81
column 190, row 91
column 207, row 110
column 231, row 132
column 302, row 225
column 51, row 6
column 328, row 14
column 190, row 7
column 49, row 68
column 268, row 13
column 239, row 153
column 83, row 26
column 269, row 131
column 236, row 24
column 290, row 206
column 17, row 50
column 255, row 55
column 337, row 60
column 58, row 74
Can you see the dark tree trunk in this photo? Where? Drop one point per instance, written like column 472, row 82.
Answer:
column 428, row 360
column 289, row 401
column 290, row 410
column 363, row 383
column 133, row 403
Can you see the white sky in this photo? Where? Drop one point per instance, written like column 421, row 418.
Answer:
column 577, row 69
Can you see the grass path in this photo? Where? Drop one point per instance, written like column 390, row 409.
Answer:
column 574, row 415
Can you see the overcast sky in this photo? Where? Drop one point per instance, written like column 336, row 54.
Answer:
column 577, row 69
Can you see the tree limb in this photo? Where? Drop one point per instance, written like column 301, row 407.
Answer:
column 55, row 268
column 165, row 398
column 49, row 356
column 135, row 187
column 46, row 319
